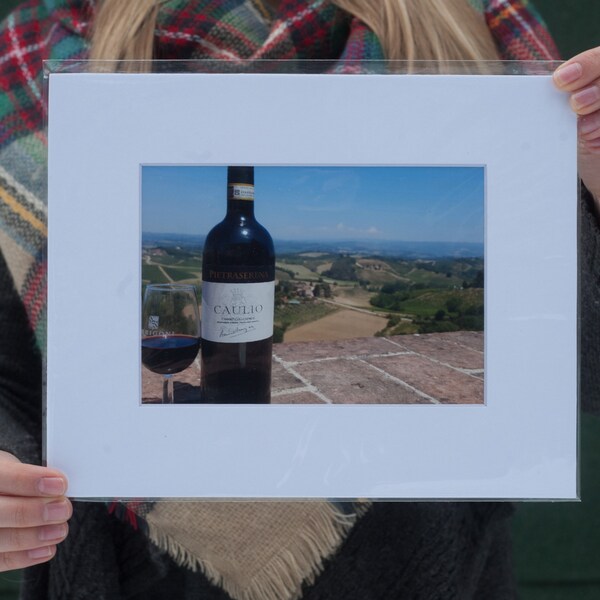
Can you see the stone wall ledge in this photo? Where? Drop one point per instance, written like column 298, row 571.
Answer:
column 435, row 368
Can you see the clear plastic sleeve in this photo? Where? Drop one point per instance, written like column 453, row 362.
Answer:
column 387, row 308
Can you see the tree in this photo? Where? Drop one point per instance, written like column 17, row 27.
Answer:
column 342, row 268
column 278, row 332
column 437, row 327
column 453, row 305
column 478, row 281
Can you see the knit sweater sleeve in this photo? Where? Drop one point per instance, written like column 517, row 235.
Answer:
column 20, row 376
column 589, row 304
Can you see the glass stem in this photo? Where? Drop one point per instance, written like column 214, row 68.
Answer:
column 168, row 389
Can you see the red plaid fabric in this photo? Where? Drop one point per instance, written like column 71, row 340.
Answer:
column 519, row 31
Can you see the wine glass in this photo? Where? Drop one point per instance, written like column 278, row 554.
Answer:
column 170, row 331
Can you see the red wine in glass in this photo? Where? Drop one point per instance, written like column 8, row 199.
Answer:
column 170, row 331
column 170, row 354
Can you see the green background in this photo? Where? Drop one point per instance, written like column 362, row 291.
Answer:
column 557, row 545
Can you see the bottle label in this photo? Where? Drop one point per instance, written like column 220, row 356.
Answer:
column 240, row 191
column 236, row 313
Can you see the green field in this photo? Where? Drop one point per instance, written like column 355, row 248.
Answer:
column 432, row 279
column 426, row 303
column 152, row 274
column 433, row 310
column 421, row 295
column 376, row 278
column 173, row 261
column 293, row 315
column 300, row 271
column 282, row 275
column 181, row 274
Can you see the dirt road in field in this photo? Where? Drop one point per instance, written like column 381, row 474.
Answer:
column 148, row 260
column 349, row 306
column 340, row 325
column 169, row 278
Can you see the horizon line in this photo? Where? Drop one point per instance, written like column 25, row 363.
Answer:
column 340, row 240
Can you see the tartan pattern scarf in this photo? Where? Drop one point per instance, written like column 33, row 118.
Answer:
column 295, row 537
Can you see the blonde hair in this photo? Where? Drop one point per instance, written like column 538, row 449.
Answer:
column 124, row 30
column 407, row 29
column 425, row 29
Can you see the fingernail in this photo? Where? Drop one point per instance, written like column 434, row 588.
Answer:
column 43, row 552
column 54, row 532
column 568, row 73
column 586, row 97
column 56, row 511
column 52, row 486
column 587, row 125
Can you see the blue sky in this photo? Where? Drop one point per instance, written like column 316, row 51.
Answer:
column 430, row 204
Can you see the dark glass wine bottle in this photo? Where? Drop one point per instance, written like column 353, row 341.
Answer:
column 238, row 297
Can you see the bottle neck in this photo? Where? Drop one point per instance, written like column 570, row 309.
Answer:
column 240, row 199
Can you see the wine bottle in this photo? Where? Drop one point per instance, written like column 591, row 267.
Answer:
column 238, row 298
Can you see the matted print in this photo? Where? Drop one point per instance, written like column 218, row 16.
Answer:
column 401, row 325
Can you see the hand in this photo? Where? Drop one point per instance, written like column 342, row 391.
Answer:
column 33, row 513
column 580, row 77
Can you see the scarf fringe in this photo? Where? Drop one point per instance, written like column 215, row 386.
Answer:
column 282, row 578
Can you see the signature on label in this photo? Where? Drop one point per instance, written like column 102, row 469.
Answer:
column 230, row 332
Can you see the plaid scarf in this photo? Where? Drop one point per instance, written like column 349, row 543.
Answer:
column 286, row 542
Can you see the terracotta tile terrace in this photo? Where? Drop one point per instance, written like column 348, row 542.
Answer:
column 436, row 368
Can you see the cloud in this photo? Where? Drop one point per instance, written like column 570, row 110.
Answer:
column 342, row 228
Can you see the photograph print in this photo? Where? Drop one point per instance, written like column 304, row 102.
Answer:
column 312, row 284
